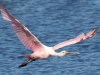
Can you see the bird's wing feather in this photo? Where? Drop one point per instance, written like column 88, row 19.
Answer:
column 25, row 36
column 79, row 38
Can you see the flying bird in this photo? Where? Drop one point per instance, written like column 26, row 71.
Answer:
column 40, row 51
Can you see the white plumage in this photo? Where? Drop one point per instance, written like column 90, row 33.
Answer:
column 40, row 51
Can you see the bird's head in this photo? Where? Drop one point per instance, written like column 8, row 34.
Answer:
column 66, row 52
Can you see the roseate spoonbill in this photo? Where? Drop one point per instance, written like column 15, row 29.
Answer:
column 40, row 51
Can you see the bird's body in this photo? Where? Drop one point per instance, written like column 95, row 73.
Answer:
column 45, row 53
column 40, row 51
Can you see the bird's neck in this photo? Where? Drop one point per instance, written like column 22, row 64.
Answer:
column 58, row 54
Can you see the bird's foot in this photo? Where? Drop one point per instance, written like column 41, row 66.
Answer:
column 26, row 63
column 23, row 64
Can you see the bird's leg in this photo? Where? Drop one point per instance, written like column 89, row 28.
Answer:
column 26, row 62
column 32, row 60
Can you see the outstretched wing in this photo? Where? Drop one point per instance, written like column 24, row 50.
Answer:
column 79, row 38
column 25, row 36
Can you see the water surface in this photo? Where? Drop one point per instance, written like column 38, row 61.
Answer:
column 52, row 22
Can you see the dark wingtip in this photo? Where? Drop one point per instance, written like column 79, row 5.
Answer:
column 2, row 5
column 94, row 31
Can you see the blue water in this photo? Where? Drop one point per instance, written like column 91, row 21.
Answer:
column 52, row 22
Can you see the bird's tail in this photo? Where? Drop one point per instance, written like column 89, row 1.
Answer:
column 28, row 56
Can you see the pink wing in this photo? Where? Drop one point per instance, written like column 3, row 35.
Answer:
column 22, row 32
column 79, row 38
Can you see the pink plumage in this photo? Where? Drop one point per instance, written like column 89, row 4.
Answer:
column 25, row 36
column 40, row 51
column 75, row 40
